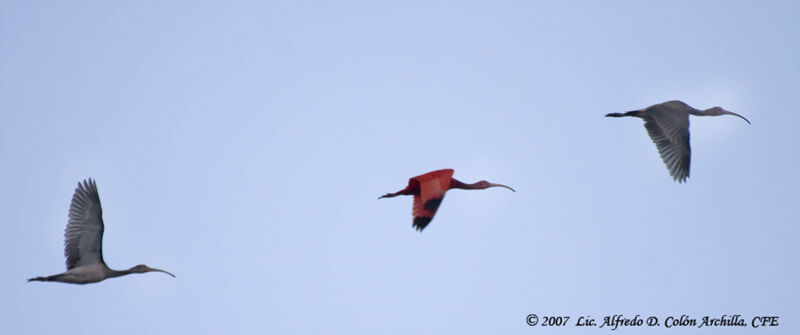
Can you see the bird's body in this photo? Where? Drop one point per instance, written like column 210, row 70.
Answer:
column 668, row 126
column 83, row 245
column 428, row 191
column 84, row 274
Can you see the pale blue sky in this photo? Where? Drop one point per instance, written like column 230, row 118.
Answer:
column 241, row 145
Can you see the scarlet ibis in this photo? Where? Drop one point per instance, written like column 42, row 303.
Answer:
column 668, row 126
column 83, row 245
column 428, row 191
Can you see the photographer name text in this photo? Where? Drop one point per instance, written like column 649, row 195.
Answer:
column 613, row 322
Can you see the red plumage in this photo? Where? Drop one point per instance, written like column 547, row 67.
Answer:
column 428, row 191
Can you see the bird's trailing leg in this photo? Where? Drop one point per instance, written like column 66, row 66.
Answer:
column 48, row 278
column 631, row 113
column 404, row 191
column 391, row 195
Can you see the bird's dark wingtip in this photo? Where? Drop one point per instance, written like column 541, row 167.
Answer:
column 681, row 180
column 421, row 222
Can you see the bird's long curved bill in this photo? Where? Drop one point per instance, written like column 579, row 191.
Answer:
column 743, row 118
column 159, row 270
column 501, row 185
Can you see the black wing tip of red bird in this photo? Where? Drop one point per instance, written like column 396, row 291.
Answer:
column 421, row 222
column 433, row 204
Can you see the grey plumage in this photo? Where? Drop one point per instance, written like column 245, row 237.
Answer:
column 83, row 242
column 668, row 126
column 83, row 237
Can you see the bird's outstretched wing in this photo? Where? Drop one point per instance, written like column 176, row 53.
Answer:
column 432, row 188
column 669, row 130
column 83, row 238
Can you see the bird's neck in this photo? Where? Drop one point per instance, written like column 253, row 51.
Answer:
column 110, row 273
column 711, row 111
column 698, row 112
column 454, row 183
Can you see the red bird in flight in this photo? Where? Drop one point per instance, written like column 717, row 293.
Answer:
column 428, row 191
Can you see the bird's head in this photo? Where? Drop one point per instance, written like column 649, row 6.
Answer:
column 485, row 184
column 141, row 268
column 714, row 111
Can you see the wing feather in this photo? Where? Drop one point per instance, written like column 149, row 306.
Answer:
column 432, row 188
column 669, row 130
column 83, row 237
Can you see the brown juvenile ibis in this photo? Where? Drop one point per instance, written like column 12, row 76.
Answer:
column 428, row 191
column 668, row 126
column 83, row 245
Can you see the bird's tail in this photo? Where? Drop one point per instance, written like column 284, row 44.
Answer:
column 631, row 113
